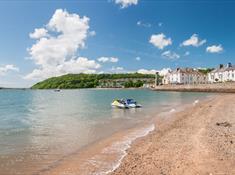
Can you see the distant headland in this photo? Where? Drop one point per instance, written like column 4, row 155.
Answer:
column 75, row 81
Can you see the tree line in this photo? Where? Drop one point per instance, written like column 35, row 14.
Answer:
column 74, row 81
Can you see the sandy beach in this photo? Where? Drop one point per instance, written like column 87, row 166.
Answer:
column 198, row 140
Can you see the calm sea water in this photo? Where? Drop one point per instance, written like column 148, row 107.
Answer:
column 38, row 127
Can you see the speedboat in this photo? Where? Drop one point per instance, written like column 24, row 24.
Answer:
column 119, row 104
column 132, row 103
column 57, row 90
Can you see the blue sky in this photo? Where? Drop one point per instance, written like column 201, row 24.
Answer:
column 117, row 37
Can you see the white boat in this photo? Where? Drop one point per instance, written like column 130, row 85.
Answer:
column 125, row 103
column 57, row 90
column 132, row 103
column 119, row 104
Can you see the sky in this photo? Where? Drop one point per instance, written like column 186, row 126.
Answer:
column 42, row 39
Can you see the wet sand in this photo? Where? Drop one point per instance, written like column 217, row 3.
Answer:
column 100, row 157
column 198, row 140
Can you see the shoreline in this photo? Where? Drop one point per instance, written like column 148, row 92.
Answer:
column 93, row 158
column 197, row 140
column 89, row 159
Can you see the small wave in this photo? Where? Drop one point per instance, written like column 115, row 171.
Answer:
column 172, row 110
column 118, row 150
column 195, row 102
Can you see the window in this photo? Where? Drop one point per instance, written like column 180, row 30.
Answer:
column 220, row 76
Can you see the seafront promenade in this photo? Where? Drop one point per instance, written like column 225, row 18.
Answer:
column 228, row 87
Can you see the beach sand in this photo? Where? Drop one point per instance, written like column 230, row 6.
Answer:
column 198, row 140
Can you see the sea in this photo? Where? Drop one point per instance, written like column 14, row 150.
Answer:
column 39, row 128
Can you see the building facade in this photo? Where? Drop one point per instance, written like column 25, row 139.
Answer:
column 222, row 74
column 185, row 76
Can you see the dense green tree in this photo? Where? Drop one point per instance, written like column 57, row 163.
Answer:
column 73, row 81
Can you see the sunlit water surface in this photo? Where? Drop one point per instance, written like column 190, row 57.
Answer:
column 38, row 127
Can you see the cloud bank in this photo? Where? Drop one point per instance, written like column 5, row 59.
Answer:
column 8, row 68
column 162, row 72
column 57, row 45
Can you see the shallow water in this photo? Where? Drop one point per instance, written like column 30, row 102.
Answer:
column 39, row 127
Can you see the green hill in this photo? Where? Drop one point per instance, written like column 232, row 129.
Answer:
column 74, row 81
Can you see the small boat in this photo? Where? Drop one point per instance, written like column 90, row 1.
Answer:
column 57, row 90
column 132, row 103
column 119, row 104
column 125, row 103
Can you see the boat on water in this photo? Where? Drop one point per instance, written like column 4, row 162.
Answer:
column 57, row 90
column 132, row 103
column 125, row 103
column 119, row 104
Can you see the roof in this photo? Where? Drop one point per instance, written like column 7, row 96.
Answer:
column 230, row 68
column 187, row 71
column 223, row 69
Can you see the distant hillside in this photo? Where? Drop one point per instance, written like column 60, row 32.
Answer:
column 74, row 81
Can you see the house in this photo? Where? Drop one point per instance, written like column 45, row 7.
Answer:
column 120, row 82
column 185, row 76
column 222, row 73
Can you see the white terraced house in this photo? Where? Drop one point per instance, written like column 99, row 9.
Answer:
column 222, row 74
column 185, row 76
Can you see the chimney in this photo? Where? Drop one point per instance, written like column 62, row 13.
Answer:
column 229, row 65
column 177, row 68
column 221, row 66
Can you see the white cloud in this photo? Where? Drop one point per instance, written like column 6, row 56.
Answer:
column 194, row 40
column 160, row 41
column 117, row 69
column 108, row 59
column 145, row 71
column 56, row 54
column 160, row 24
column 79, row 65
column 162, row 72
column 214, row 49
column 142, row 24
column 170, row 55
column 103, row 59
column 126, row 3
column 38, row 33
column 92, row 33
column 7, row 68
column 138, row 58
column 113, row 59
column 186, row 53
